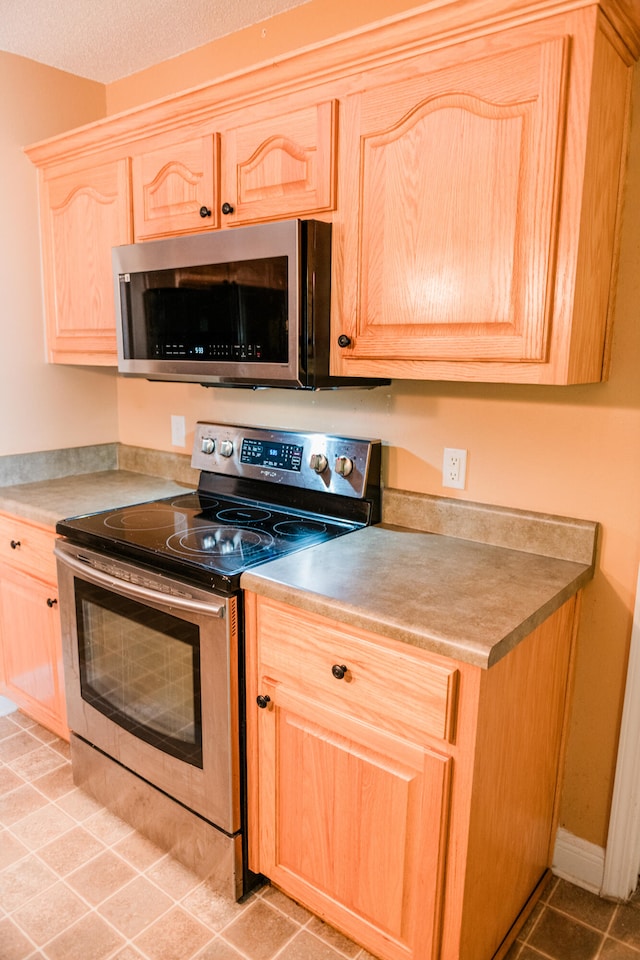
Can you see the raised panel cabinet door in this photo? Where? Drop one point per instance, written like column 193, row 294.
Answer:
column 353, row 824
column 280, row 167
column 85, row 213
column 450, row 255
column 175, row 188
column 31, row 649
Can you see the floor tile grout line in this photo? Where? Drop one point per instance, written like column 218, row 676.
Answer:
column 534, row 924
column 606, row 935
column 306, row 925
column 95, row 908
column 26, row 935
column 278, row 952
column 215, row 933
column 580, row 920
column 91, row 908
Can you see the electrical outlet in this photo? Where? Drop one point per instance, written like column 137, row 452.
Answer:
column 454, row 468
column 178, row 432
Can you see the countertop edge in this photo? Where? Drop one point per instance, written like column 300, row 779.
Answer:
column 479, row 655
column 547, row 537
column 45, row 502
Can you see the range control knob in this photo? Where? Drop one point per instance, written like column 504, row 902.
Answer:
column 226, row 448
column 344, row 466
column 208, row 445
column 318, row 462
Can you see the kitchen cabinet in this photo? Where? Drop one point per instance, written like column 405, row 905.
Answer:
column 273, row 167
column 276, row 166
column 406, row 798
column 470, row 157
column 30, row 641
column 175, row 188
column 85, row 211
column 471, row 252
column 280, row 166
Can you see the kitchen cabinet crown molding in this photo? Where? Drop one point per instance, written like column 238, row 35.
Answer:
column 433, row 25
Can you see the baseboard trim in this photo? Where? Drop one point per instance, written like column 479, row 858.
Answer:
column 578, row 861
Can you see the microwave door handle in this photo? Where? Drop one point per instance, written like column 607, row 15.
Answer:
column 135, row 590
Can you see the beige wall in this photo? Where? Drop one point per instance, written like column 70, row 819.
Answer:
column 42, row 406
column 310, row 23
column 572, row 451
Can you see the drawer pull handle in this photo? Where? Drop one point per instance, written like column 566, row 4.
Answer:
column 338, row 670
column 15, row 544
column 51, row 602
column 263, row 701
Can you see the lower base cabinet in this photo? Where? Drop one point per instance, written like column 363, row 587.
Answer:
column 407, row 799
column 31, row 672
column 358, row 815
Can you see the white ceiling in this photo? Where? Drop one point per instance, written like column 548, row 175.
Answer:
column 106, row 40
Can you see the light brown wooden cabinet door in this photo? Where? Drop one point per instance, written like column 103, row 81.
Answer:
column 449, row 247
column 175, row 188
column 353, row 823
column 30, row 645
column 85, row 213
column 280, row 166
column 269, row 168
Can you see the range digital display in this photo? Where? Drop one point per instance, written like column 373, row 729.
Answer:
column 284, row 456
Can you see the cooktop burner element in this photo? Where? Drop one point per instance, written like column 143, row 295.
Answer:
column 262, row 494
column 243, row 515
column 219, row 542
column 140, row 518
column 300, row 528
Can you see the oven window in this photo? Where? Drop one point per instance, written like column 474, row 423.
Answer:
column 141, row 668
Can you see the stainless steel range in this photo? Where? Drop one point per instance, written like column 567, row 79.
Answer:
column 153, row 647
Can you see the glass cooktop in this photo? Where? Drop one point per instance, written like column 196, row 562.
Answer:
column 208, row 538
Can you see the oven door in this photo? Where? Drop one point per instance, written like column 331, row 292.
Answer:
column 151, row 677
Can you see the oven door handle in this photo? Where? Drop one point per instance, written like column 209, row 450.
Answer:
column 139, row 592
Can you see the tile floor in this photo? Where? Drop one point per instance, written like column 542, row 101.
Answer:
column 569, row 923
column 78, row 884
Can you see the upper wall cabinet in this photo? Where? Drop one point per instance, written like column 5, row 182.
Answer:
column 175, row 188
column 282, row 167
column 482, row 243
column 470, row 157
column 85, row 211
column 272, row 168
column 450, row 253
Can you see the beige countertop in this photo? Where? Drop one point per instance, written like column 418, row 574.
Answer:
column 455, row 595
column 47, row 501
column 461, row 579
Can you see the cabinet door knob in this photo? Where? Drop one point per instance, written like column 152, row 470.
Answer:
column 339, row 670
column 15, row 544
column 262, row 701
column 205, row 212
column 51, row 602
column 344, row 340
column 227, row 208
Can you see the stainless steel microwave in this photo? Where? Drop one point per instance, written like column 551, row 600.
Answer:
column 239, row 307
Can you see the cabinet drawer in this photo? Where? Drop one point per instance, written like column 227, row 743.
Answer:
column 395, row 690
column 32, row 550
